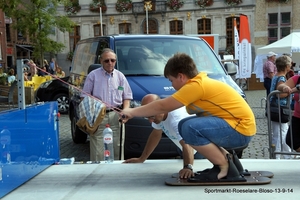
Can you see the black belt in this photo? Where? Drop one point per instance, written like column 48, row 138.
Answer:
column 115, row 109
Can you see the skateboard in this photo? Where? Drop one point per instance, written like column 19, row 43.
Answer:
column 249, row 180
column 245, row 173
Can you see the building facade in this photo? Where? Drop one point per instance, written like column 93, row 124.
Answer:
column 2, row 40
column 275, row 19
column 216, row 16
column 269, row 21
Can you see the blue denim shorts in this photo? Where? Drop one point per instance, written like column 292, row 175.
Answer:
column 200, row 131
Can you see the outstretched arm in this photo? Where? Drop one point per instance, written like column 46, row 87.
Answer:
column 156, row 107
column 289, row 86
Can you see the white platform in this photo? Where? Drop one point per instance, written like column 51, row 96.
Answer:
column 146, row 181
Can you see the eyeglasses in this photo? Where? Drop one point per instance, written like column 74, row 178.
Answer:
column 150, row 118
column 111, row 60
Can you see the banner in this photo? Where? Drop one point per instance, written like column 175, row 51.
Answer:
column 236, row 41
column 236, row 45
column 245, row 58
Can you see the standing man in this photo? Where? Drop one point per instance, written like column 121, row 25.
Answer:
column 168, row 123
column 269, row 70
column 52, row 65
column 110, row 86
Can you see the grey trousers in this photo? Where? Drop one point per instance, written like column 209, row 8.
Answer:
column 96, row 141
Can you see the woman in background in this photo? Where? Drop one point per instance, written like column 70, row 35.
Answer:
column 283, row 65
column 11, row 76
column 292, row 86
column 59, row 72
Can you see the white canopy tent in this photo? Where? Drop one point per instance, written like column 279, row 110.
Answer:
column 289, row 44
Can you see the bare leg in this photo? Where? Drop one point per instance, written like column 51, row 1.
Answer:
column 215, row 155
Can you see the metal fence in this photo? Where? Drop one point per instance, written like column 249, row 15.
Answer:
column 282, row 136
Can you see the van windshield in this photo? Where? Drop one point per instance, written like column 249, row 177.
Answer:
column 149, row 56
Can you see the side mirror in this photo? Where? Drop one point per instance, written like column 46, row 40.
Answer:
column 231, row 68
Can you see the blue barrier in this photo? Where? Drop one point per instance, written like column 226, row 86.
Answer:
column 29, row 143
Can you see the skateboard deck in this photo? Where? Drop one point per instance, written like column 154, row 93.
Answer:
column 250, row 180
column 245, row 174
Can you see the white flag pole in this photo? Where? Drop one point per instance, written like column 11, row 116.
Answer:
column 101, row 27
column 147, row 20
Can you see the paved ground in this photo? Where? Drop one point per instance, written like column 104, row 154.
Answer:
column 257, row 149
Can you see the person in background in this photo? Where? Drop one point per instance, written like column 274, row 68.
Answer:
column 292, row 85
column 110, row 86
column 11, row 76
column 59, row 72
column 269, row 70
column 42, row 71
column 26, row 65
column 168, row 123
column 289, row 74
column 26, row 76
column 52, row 66
column 283, row 65
column 46, row 65
column 33, row 69
column 223, row 120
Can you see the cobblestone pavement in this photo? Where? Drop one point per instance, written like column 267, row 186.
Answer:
column 257, row 149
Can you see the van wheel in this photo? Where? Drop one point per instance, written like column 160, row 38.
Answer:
column 78, row 136
column 63, row 102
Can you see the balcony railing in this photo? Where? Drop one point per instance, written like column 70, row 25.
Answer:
column 138, row 8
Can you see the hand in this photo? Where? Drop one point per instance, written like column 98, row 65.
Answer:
column 134, row 160
column 186, row 173
column 123, row 120
column 287, row 89
column 126, row 114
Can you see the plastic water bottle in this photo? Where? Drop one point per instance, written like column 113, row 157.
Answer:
column 108, row 144
column 5, row 146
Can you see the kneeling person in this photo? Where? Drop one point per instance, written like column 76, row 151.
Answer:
column 167, row 123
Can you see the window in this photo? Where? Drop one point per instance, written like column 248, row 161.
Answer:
column 74, row 37
column 152, row 26
column 176, row 27
column 204, row 26
column 286, row 18
column 230, row 32
column 124, row 28
column 279, row 26
column 273, row 19
column 8, row 36
column 97, row 29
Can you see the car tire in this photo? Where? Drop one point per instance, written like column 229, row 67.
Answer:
column 78, row 136
column 63, row 102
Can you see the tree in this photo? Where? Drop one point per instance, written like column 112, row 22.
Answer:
column 37, row 19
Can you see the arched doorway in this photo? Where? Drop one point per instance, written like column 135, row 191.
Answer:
column 152, row 26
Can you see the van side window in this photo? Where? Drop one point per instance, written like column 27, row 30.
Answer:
column 102, row 44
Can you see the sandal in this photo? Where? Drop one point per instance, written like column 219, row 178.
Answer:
column 233, row 174
column 236, row 162
column 239, row 166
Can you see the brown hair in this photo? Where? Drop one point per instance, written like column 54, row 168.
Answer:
column 11, row 72
column 180, row 63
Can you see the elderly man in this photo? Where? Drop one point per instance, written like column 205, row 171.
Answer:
column 269, row 70
column 110, row 86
